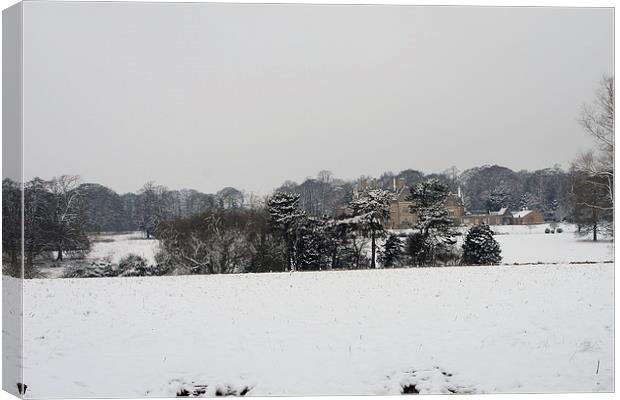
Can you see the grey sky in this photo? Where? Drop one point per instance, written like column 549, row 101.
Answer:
column 212, row 95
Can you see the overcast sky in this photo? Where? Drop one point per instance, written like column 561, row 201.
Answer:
column 212, row 95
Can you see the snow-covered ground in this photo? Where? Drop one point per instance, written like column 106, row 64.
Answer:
column 116, row 246
column 529, row 244
column 464, row 329
column 110, row 247
column 552, row 248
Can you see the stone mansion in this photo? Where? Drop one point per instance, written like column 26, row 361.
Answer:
column 401, row 216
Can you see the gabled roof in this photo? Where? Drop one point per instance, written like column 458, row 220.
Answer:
column 502, row 211
column 521, row 213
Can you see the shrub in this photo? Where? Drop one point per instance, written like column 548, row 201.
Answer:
column 449, row 255
column 135, row 265
column 130, row 265
column 480, row 247
column 559, row 230
column 93, row 270
column 418, row 249
column 392, row 252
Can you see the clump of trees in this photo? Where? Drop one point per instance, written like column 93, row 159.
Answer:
column 11, row 228
column 53, row 223
column 220, row 242
column 281, row 236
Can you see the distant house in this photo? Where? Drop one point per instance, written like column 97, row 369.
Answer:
column 527, row 217
column 504, row 217
column 501, row 217
column 401, row 216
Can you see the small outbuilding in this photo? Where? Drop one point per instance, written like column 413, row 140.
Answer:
column 527, row 217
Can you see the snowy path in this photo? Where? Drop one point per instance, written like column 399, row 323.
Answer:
column 487, row 329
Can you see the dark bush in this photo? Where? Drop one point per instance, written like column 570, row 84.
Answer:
column 135, row 265
column 93, row 270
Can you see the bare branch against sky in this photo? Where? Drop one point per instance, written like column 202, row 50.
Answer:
column 214, row 95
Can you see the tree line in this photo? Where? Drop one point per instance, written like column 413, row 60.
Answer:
column 59, row 214
column 281, row 236
column 275, row 235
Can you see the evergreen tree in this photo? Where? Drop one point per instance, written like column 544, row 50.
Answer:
column 285, row 217
column 345, row 244
column 312, row 248
column 498, row 198
column 392, row 252
column 480, row 247
column 435, row 232
column 371, row 209
column 527, row 201
column 418, row 248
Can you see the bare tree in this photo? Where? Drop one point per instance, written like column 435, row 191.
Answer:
column 12, row 228
column 230, row 198
column 595, row 168
column 153, row 207
column 598, row 121
column 597, row 118
column 325, row 176
column 452, row 174
column 67, row 230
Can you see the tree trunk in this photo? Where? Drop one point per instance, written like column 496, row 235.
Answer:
column 59, row 257
column 595, row 225
column 373, row 263
column 291, row 251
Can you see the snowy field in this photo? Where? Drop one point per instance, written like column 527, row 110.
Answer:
column 464, row 329
column 115, row 246
column 111, row 248
column 522, row 244
column 530, row 244
column 552, row 248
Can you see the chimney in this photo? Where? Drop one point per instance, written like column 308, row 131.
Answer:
column 401, row 183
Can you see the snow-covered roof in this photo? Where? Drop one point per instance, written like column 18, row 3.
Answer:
column 502, row 211
column 521, row 214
